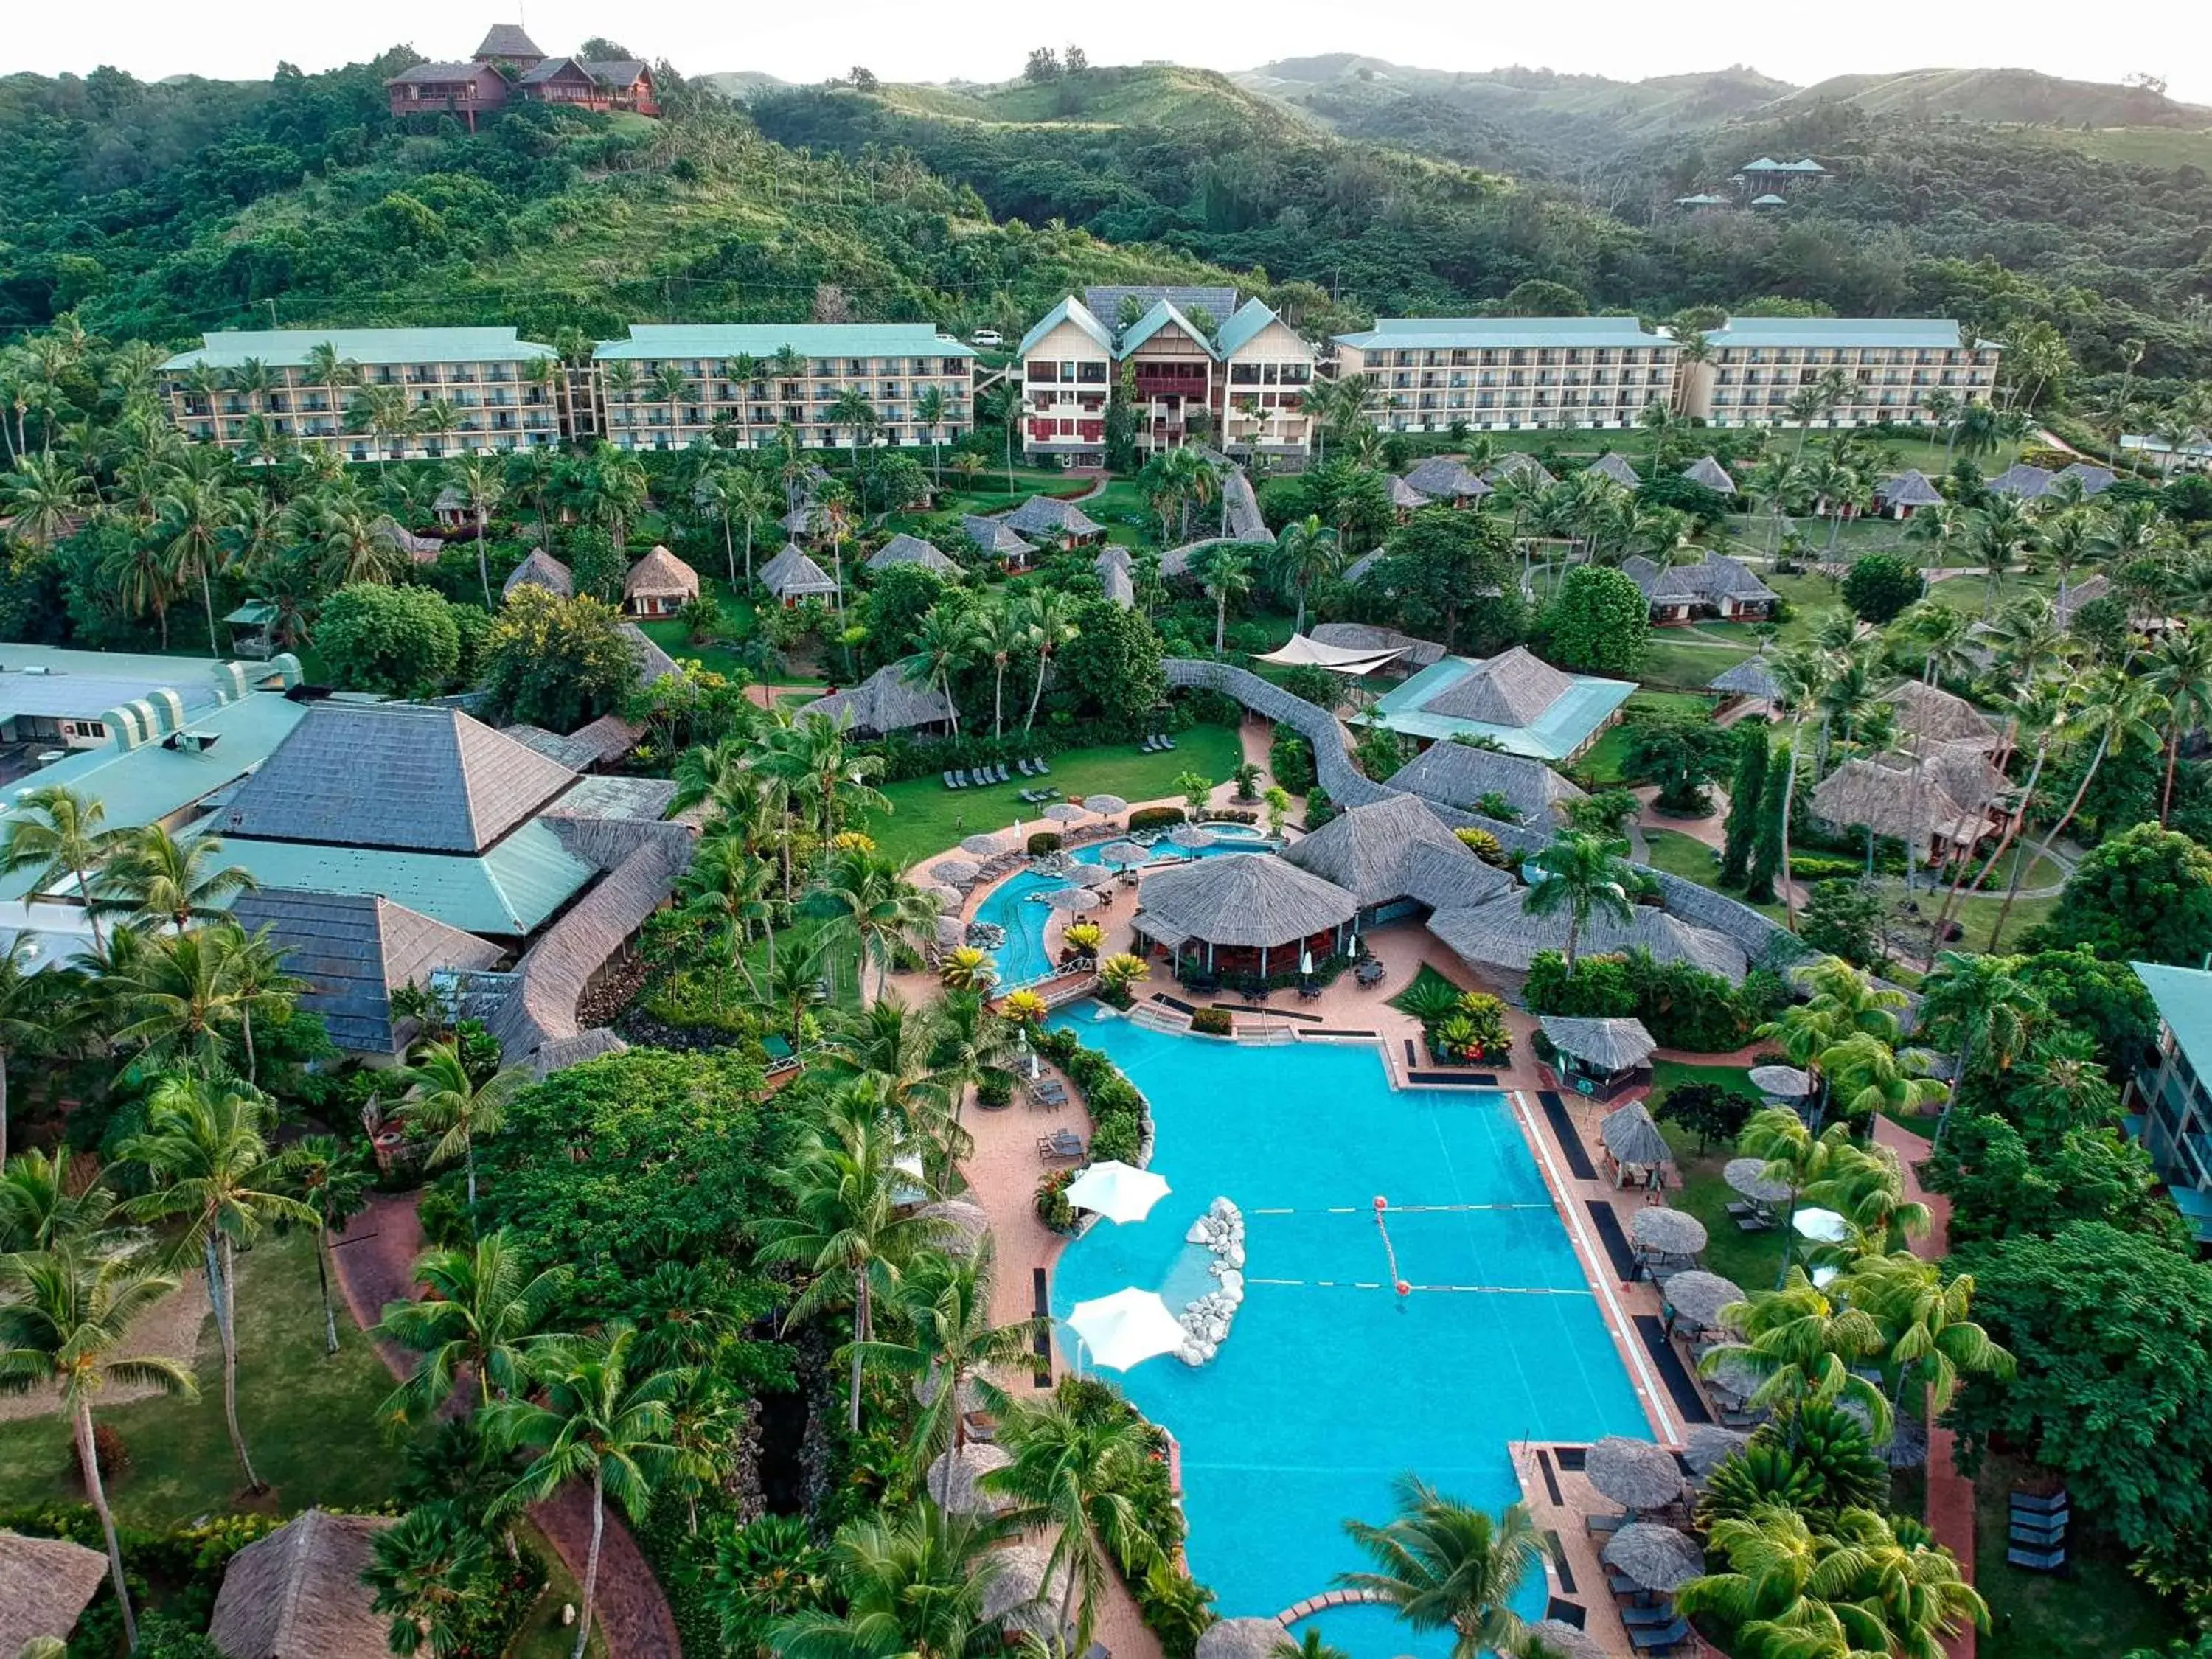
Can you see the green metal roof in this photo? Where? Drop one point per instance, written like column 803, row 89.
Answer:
column 1250, row 318
column 289, row 348
column 1161, row 313
column 665, row 340
column 511, row 889
column 1500, row 333
column 1558, row 732
column 1923, row 333
column 146, row 785
column 1070, row 310
column 252, row 614
column 2184, row 996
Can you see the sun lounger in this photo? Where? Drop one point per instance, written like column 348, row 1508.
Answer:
column 2040, row 1503
column 2037, row 1538
column 1662, row 1614
column 1004, row 776
column 1660, row 1640
column 1603, row 1525
column 2029, row 1521
column 2037, row 1560
column 1623, row 1585
column 1059, row 1144
column 1024, row 769
column 1042, row 770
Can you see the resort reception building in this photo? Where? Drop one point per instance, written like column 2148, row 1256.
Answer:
column 1515, row 699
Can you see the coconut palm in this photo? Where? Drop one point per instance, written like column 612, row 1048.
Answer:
column 444, row 1099
column 164, row 879
column 727, row 890
column 843, row 1223
column 946, row 1341
column 591, row 1416
column 45, row 496
column 1803, row 1346
column 38, row 1010
column 433, row 1573
column 1925, row 1331
column 929, row 410
column 206, row 1149
column 1867, row 1076
column 1794, row 1154
column 875, row 909
column 1787, row 1591
column 1224, row 574
column 1981, row 1005
column 260, row 986
column 1306, row 552
column 2181, row 671
column 56, row 833
column 483, row 486
column 1585, row 875
column 1867, row 1188
column 910, row 1583
column 946, row 643
column 176, row 996
column 734, row 493
column 1441, row 1564
column 1000, row 633
column 333, row 1183
column 39, row 1210
column 1074, row 1472
column 380, row 412
column 66, row 1313
column 196, row 516
column 1049, row 617
column 482, row 1313
column 966, row 1039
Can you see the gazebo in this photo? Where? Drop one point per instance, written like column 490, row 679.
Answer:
column 793, row 575
column 659, row 584
column 1599, row 1057
column 1254, row 913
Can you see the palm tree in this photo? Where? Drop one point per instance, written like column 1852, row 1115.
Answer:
column 1306, row 552
column 1049, row 616
column 1441, row 1564
column 2181, row 671
column 36, row 1012
column 1224, row 574
column 1794, row 1154
column 332, row 1182
column 945, row 644
column 1868, row 1076
column 259, row 984
column 845, row 1227
column 851, row 409
column 55, row 832
column 483, row 486
column 38, row 1210
column 733, row 493
column 206, row 1149
column 178, row 995
column 929, row 410
column 45, row 496
column 947, row 1340
column 1981, row 1005
column 450, row 1104
column 911, row 1584
column 1073, row 1472
column 727, row 890
column 1867, row 1188
column 482, row 1315
column 433, row 1573
column 380, row 410
column 1803, row 1346
column 670, row 385
column 591, row 1417
column 66, row 1313
column 1585, row 875
column 1786, row 1591
column 1926, row 1335
column 876, row 908
column 167, row 880
column 198, row 513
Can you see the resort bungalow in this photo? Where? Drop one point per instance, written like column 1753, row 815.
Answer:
column 1405, row 499
column 659, row 584
column 1523, row 469
column 1716, row 586
column 998, row 541
column 792, row 576
column 1254, row 915
column 1043, row 520
column 1500, row 938
column 1482, row 780
column 1941, row 807
column 1599, row 1058
column 1711, row 474
column 885, row 702
column 298, row 1593
column 1931, row 714
column 1398, row 859
column 1116, row 575
column 1753, row 678
column 540, row 569
column 1906, row 493
column 2022, row 482
column 1443, row 478
column 1618, row 467
column 2169, row 1098
column 903, row 549
column 45, row 1585
column 1517, row 699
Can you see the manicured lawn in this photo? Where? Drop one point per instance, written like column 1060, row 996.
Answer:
column 1754, row 1260
column 927, row 818
column 1605, row 765
column 542, row 1635
column 307, row 1419
column 740, row 622
column 2095, row 1607
column 1685, row 856
column 1689, row 663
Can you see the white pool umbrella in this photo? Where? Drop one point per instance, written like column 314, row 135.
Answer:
column 1116, row 1190
column 1123, row 1330
column 1305, row 963
column 1821, row 1226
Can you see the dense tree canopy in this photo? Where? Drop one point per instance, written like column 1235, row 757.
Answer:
column 2144, row 895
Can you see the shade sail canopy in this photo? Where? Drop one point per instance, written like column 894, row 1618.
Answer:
column 1748, row 1176
column 1654, row 1557
column 1117, row 1191
column 1123, row 1330
column 1698, row 1296
column 1352, row 660
column 1634, row 1473
column 1821, row 1226
column 1631, row 1136
column 954, row 1480
column 1671, row 1232
column 1105, row 805
column 1784, row 1082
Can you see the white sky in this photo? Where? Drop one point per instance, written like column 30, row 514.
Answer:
column 988, row 40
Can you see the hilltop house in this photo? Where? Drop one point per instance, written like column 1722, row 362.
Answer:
column 509, row 67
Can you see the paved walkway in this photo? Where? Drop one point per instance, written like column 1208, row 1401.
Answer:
column 376, row 1262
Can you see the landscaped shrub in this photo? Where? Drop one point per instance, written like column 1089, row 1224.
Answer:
column 1289, row 757
column 1213, row 1022
column 1681, row 1006
column 1484, row 845
column 995, row 1089
column 1045, row 840
column 1154, row 818
column 1052, row 1206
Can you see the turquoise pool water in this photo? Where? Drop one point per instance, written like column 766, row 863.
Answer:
column 1322, row 1393
column 1022, row 959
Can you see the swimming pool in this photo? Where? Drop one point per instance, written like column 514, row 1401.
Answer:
column 1322, row 1393
column 1022, row 959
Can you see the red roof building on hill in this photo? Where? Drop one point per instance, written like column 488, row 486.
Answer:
column 509, row 66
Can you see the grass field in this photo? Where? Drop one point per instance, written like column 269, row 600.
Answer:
column 1605, row 765
column 307, row 1418
column 741, row 620
column 928, row 818
column 1753, row 1259
column 2095, row 1607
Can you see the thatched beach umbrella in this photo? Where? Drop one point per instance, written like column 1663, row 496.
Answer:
column 1191, row 837
column 1670, row 1232
column 983, row 847
column 926, row 1387
column 1734, row 1375
column 1654, row 1557
column 1073, row 899
column 1017, row 1592
column 1064, row 812
column 948, row 897
column 1710, row 1446
column 1632, row 1138
column 1241, row 1638
column 1106, row 806
column 1783, row 1082
column 952, row 934
column 1123, row 853
column 1564, row 1640
column 1634, row 1474
column 1090, row 875
column 1748, row 1176
column 1698, row 1297
column 959, row 1222
column 956, row 872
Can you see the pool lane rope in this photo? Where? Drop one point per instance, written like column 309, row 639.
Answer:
column 1381, row 1205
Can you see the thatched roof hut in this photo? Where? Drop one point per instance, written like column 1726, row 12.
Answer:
column 793, row 575
column 660, row 575
column 1018, row 1593
column 1512, row 689
column 1255, row 901
column 297, row 1593
column 1446, row 477
column 1404, row 497
column 1606, row 1045
column 45, row 1584
column 954, row 1482
column 1929, row 712
column 1371, row 852
column 1908, row 489
column 903, row 549
column 1459, row 775
column 1361, row 636
column 885, row 702
column 1904, row 803
column 1042, row 515
column 1241, row 1639
column 1523, row 469
column 1618, row 467
column 1710, row 473
column 996, row 537
column 1501, row 937
column 540, row 569
column 1751, row 677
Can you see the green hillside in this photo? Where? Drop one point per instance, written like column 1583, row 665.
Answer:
column 1996, row 96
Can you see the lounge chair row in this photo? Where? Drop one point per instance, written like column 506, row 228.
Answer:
column 2037, row 1541
column 980, row 777
column 1158, row 743
column 1059, row 1144
column 1049, row 1092
column 1038, row 797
